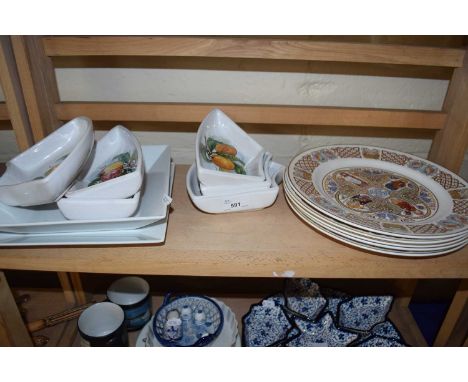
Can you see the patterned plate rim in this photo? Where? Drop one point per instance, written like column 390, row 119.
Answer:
column 456, row 223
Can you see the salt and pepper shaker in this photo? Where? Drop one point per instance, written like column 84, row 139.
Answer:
column 199, row 320
column 173, row 326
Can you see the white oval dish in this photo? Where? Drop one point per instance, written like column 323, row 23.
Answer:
column 234, row 202
column 116, row 142
column 218, row 125
column 42, row 173
column 96, row 209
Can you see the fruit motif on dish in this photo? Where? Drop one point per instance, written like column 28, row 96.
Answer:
column 223, row 155
column 121, row 164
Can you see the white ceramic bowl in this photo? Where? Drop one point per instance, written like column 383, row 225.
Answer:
column 96, row 209
column 234, row 202
column 117, row 141
column 246, row 187
column 28, row 179
column 220, row 127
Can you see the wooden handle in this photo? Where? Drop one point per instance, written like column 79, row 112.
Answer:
column 57, row 318
column 34, row 326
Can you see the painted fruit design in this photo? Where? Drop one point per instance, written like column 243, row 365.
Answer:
column 223, row 155
column 380, row 195
column 121, row 164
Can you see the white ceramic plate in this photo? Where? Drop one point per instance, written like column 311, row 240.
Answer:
column 41, row 174
column 219, row 126
column 382, row 191
column 235, row 202
column 356, row 233
column 371, row 248
column 229, row 336
column 152, row 234
column 117, row 141
column 152, row 208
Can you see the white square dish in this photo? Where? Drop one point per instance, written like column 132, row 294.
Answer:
column 245, row 154
column 234, row 202
column 41, row 174
column 152, row 208
column 96, row 209
column 107, row 152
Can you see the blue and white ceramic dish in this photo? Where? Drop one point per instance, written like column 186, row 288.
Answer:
column 363, row 312
column 377, row 341
column 386, row 329
column 266, row 324
column 303, row 299
column 334, row 298
column 322, row 333
column 194, row 332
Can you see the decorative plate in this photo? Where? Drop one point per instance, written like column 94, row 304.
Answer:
column 322, row 333
column 370, row 237
column 266, row 324
column 303, row 298
column 346, row 239
column 362, row 313
column 377, row 341
column 382, row 190
column 386, row 329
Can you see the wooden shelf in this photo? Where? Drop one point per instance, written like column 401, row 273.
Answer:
column 263, row 243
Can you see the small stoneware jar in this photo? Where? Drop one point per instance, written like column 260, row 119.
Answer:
column 132, row 295
column 103, row 324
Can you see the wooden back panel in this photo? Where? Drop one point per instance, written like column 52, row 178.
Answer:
column 36, row 57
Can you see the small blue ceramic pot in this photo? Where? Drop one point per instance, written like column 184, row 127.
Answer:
column 187, row 306
column 132, row 295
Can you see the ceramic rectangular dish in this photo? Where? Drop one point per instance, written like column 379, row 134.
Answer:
column 152, row 208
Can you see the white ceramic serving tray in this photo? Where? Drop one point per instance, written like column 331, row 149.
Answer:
column 234, row 202
column 219, row 126
column 152, row 208
column 65, row 150
column 152, row 234
column 117, row 141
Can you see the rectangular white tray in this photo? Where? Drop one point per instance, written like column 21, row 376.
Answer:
column 151, row 234
column 153, row 205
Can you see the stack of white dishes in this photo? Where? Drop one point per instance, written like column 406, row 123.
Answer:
column 67, row 190
column 232, row 172
column 229, row 336
column 379, row 200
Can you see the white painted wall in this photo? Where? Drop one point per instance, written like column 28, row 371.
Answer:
column 177, row 85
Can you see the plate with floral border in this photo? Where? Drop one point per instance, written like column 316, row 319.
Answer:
column 375, row 188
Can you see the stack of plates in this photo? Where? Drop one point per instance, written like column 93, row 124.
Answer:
column 379, row 200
